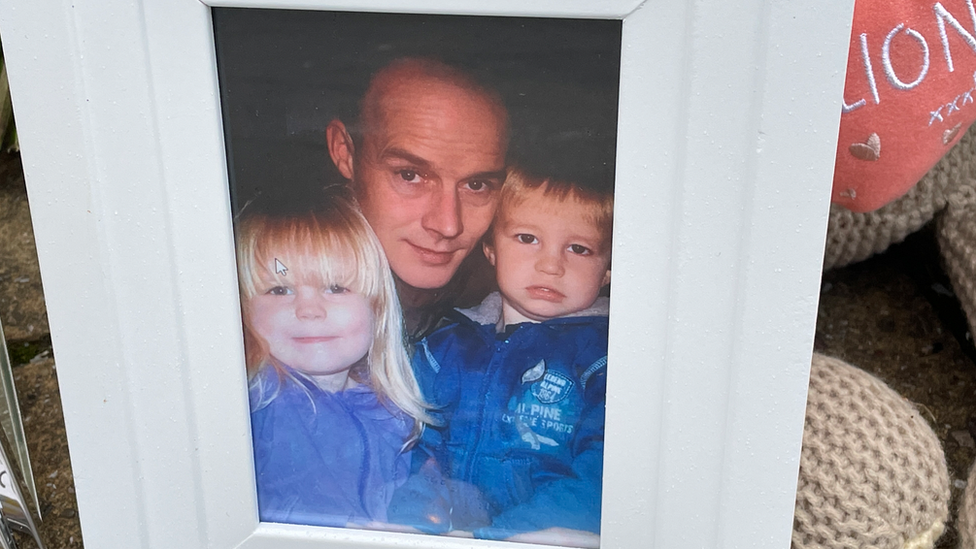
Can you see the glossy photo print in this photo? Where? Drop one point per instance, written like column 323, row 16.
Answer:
column 423, row 212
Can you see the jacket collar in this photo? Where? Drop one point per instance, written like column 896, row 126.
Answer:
column 490, row 310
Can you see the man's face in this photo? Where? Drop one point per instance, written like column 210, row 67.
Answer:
column 550, row 258
column 427, row 175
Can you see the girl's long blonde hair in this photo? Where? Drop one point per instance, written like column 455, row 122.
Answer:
column 329, row 244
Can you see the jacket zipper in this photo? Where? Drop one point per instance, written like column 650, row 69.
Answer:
column 493, row 367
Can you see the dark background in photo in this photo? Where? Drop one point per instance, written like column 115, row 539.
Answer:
column 285, row 74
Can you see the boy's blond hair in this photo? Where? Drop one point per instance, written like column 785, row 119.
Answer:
column 519, row 183
column 331, row 245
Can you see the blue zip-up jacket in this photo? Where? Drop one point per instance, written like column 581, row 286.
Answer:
column 523, row 420
column 324, row 459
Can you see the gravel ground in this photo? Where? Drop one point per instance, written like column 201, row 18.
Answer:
column 893, row 315
column 29, row 343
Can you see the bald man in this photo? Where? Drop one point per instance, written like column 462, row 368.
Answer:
column 426, row 163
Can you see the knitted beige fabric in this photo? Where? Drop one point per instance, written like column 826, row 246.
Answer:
column 872, row 472
column 957, row 244
column 853, row 237
column 966, row 522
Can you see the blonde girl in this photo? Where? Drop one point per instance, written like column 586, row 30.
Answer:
column 334, row 404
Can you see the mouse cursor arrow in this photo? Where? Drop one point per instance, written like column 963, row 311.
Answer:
column 280, row 268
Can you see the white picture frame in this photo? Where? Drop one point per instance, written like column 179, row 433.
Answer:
column 730, row 109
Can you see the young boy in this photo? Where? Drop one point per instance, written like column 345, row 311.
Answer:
column 520, row 380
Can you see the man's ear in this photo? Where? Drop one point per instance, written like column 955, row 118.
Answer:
column 341, row 148
column 606, row 279
column 489, row 252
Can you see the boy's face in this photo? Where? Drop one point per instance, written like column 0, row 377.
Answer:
column 550, row 258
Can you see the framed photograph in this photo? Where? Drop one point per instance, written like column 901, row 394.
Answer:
column 480, row 151
column 285, row 243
